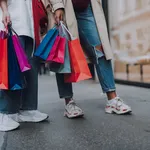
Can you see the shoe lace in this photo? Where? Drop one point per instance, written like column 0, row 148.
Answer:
column 73, row 105
column 120, row 101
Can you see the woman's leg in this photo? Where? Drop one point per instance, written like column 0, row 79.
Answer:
column 65, row 89
column 10, row 101
column 29, row 101
column 88, row 30
column 65, row 92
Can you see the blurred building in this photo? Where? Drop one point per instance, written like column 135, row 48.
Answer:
column 129, row 26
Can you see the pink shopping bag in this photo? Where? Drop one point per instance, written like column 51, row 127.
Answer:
column 21, row 56
column 60, row 52
column 53, row 50
column 57, row 53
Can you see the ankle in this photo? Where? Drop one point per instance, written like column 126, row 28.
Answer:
column 111, row 95
column 67, row 100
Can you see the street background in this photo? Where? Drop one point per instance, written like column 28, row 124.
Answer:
column 129, row 28
column 96, row 131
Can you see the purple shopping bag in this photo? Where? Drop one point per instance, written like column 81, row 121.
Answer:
column 21, row 56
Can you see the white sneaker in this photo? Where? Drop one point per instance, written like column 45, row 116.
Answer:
column 7, row 123
column 72, row 110
column 31, row 116
column 117, row 106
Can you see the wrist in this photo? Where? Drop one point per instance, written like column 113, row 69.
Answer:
column 59, row 9
column 3, row 5
column 5, row 12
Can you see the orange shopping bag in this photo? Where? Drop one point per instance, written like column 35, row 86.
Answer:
column 79, row 67
column 3, row 63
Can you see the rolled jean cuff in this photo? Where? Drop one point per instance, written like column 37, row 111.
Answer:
column 109, row 90
column 28, row 109
column 64, row 96
column 7, row 112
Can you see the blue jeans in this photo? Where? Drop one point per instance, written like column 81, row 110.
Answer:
column 13, row 101
column 88, row 33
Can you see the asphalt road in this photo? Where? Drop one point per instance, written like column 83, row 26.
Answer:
column 96, row 131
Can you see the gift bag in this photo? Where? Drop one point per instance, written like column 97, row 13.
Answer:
column 79, row 67
column 57, row 53
column 16, row 78
column 63, row 68
column 53, row 50
column 20, row 53
column 60, row 51
column 46, row 45
column 3, row 62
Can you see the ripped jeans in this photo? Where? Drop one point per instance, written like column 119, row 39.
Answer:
column 88, row 31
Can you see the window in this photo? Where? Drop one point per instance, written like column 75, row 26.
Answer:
column 138, row 4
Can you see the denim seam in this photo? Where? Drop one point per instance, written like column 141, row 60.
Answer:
column 66, row 96
column 28, row 108
column 8, row 112
column 109, row 90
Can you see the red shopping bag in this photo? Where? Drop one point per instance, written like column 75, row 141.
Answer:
column 3, row 64
column 57, row 53
column 79, row 67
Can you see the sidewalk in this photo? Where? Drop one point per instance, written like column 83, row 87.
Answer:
column 96, row 131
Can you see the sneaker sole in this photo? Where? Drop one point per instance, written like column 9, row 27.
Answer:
column 118, row 113
column 35, row 121
column 8, row 129
column 74, row 116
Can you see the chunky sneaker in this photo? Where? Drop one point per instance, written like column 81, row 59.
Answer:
column 72, row 110
column 117, row 106
column 7, row 123
column 32, row 116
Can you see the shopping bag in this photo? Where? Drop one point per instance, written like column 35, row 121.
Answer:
column 53, row 50
column 60, row 51
column 65, row 67
column 3, row 34
column 57, row 53
column 46, row 45
column 15, row 76
column 62, row 68
column 20, row 53
column 3, row 61
column 79, row 67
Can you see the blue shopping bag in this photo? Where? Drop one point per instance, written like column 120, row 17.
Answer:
column 46, row 45
column 15, row 78
column 66, row 67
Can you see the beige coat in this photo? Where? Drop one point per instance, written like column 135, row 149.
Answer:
column 72, row 22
